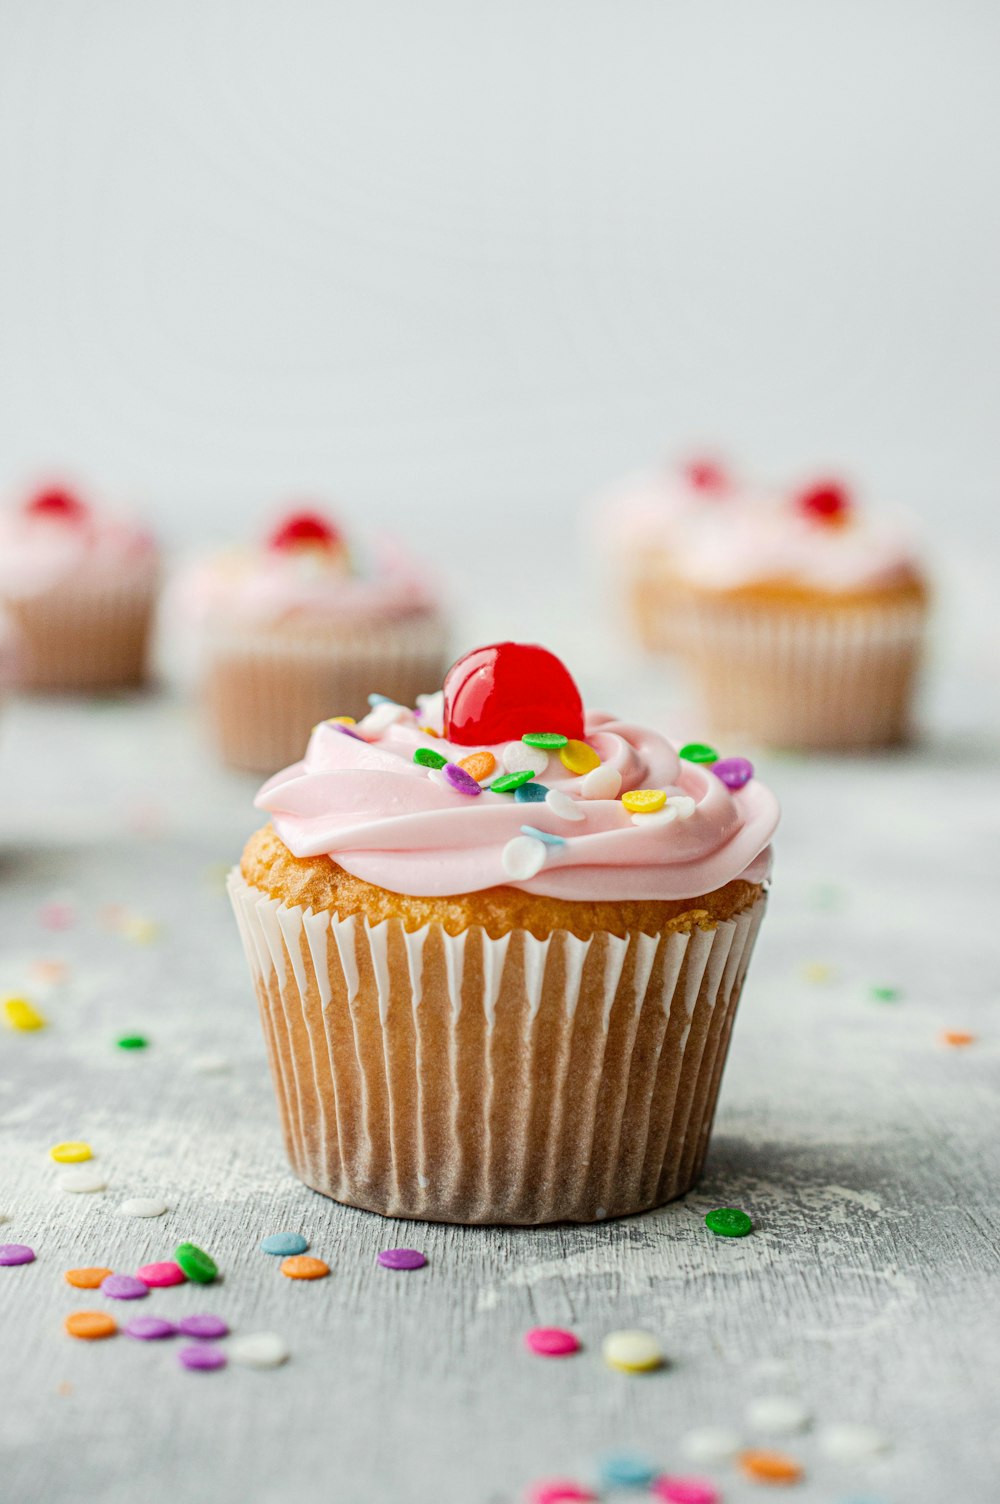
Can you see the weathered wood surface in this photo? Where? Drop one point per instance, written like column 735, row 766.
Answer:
column 865, row 1151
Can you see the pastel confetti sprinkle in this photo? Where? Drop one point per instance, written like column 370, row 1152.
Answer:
column 685, row 1491
column 83, row 1182
column 149, row 1328
column 51, row 971
column 817, row 971
column 644, row 801
column 142, row 1206
column 549, row 741
column 87, row 1279
column 656, row 818
column 682, row 805
column 846, row 1442
column 625, row 1470
column 509, row 783
column 603, row 783
column 90, row 1326
column 304, row 1267
column 632, row 1351
column 206, row 1327
column 518, row 757
column 957, row 1038
column 576, row 757
column 886, row 994
column 343, row 720
column 374, row 700
column 141, row 931
column 401, row 1258
column 56, row 916
column 124, row 1287
column 460, row 780
column 380, row 718
column 551, row 1341
column 559, row 1491
column 531, row 793
column 161, row 1275
column 523, row 857
column 259, row 1350
column 196, row 1264
column 734, row 771
column 711, row 1444
column 777, row 1415
column 426, row 757
column 563, row 807
column 339, row 724
column 698, row 752
column 132, row 1042
column 203, row 1358
column 728, row 1222
column 478, row 765
column 543, row 835
column 21, row 1015
column 284, row 1244
column 71, row 1153
column 16, row 1253
column 770, row 1467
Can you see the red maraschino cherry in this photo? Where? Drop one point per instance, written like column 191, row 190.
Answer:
column 708, row 476
column 500, row 692
column 828, row 503
column 305, row 529
column 58, row 503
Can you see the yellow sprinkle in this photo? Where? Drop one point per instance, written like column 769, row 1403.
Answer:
column 644, row 801
column 72, row 1153
column 142, row 931
column 20, row 1014
column 817, row 971
column 343, row 720
column 579, row 758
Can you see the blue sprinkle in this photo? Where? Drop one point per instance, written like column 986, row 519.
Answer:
column 626, row 1470
column 374, row 700
column 284, row 1243
column 531, row 793
column 542, row 835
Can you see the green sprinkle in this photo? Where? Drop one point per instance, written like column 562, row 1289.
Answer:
column 549, row 741
column 428, row 758
column 698, row 752
column 508, row 782
column 886, row 994
column 132, row 1042
column 196, row 1264
column 728, row 1222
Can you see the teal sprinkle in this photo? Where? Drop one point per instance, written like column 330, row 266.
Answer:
column 542, row 835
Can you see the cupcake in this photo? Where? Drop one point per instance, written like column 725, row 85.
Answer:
column 802, row 619
column 78, row 585
column 297, row 628
column 498, row 942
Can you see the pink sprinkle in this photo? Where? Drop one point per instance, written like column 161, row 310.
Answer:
column 206, row 1327
column 685, row 1490
column 461, row 781
column 159, row 1275
column 551, row 1341
column 124, row 1287
column 559, row 1491
column 734, row 771
column 203, row 1356
column 401, row 1258
column 56, row 916
column 16, row 1253
column 149, row 1328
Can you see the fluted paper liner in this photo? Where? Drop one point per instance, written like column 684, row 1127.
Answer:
column 82, row 637
column 458, row 1078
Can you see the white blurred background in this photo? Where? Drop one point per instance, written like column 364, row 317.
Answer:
column 456, row 266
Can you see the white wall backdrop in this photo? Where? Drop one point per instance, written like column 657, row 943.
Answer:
column 457, row 264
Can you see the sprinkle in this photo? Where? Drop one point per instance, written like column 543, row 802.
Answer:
column 777, row 1415
column 817, row 971
column 460, row 779
column 733, row 771
column 342, row 720
column 664, row 816
column 197, row 1265
column 205, row 1327
column 603, row 782
column 71, row 1153
column 90, row 1325
column 379, row 719
column 56, row 971
column 428, row 731
column 149, row 1328
column 132, row 1042
column 401, row 1258
column 530, row 793
column 124, row 1287
column 337, row 724
column 851, row 1443
column 284, row 1243
column 56, row 916
column 142, row 1206
column 304, row 1267
column 710, row 1444
column 161, row 1275
column 21, row 1015
column 16, row 1253
column 426, row 757
column 632, row 1351
column 549, row 741
column 578, row 758
column 728, row 1222
column 770, row 1467
column 211, row 1065
column 543, row 835
column 698, row 752
column 507, row 783
column 957, row 1037
column 204, row 1357
column 644, row 801
column 523, row 857
column 87, row 1279
column 683, row 804
column 886, row 994
column 625, row 1470
column 518, row 757
column 562, row 806
column 551, row 1341
column 374, row 700
column 142, row 931
column 478, row 765
column 83, row 1182
column 559, row 1491
column 259, row 1350
column 685, row 1491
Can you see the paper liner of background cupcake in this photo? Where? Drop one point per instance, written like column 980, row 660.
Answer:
column 498, row 945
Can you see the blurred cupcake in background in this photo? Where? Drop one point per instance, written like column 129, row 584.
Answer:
column 296, row 630
column 78, row 585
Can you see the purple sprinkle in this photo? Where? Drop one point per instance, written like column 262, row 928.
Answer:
column 461, row 781
column 202, row 1357
column 345, row 731
column 401, row 1258
column 202, row 1326
column 16, row 1253
column 148, row 1328
column 734, row 771
column 124, row 1287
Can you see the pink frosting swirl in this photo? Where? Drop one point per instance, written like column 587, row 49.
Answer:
column 364, row 802
column 41, row 553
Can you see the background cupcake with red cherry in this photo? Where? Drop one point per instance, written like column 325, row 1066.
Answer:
column 301, row 626
column 78, row 586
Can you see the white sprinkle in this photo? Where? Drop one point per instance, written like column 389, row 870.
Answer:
column 518, row 757
column 665, row 816
column 563, row 806
column 211, row 1065
column 604, row 782
column 777, row 1415
column 258, row 1350
column 632, row 1350
column 142, row 1206
column 683, row 804
column 431, row 709
column 851, row 1443
column 82, row 1182
column 523, row 857
column 381, row 718
column 710, row 1444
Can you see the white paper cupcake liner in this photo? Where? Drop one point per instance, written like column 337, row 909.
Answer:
column 84, row 637
column 516, row 1080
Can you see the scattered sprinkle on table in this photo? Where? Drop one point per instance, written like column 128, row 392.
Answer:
column 728, row 1222
column 83, row 1182
column 211, row 1065
column 56, row 916
column 711, row 1444
column 625, row 1470
column 90, row 1325
column 21, row 1015
column 560, row 1491
column 777, row 1415
column 259, row 1350
column 401, row 1258
column 161, row 1275
column 203, row 1357
column 632, row 1351
column 196, row 1263
column 302, row 1266
column 957, row 1038
column 816, row 971
column 770, row 1467
column 142, row 1206
column 551, row 1341
column 886, row 994
column 73, row 1152
column 87, row 1279
column 284, row 1243
column 132, row 1042
column 846, row 1442
column 206, row 1327
column 685, row 1490
column 124, row 1287
column 16, row 1253
column 149, row 1328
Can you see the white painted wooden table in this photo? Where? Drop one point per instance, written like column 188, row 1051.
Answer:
column 863, row 1148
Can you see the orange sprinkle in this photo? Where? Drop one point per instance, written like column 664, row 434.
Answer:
column 86, row 1279
column 91, row 1325
column 49, row 971
column 478, row 765
column 770, row 1467
column 428, row 731
column 957, row 1037
column 303, row 1266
